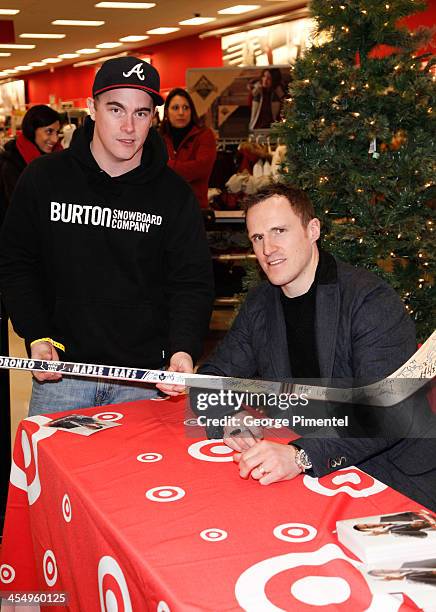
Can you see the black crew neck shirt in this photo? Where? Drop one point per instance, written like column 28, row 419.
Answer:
column 299, row 313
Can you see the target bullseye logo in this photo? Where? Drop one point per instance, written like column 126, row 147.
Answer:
column 50, row 568
column 351, row 481
column 112, row 586
column 213, row 535
column 316, row 590
column 108, row 416
column 25, row 445
column 7, row 573
column 66, row 508
column 191, row 422
column 211, row 450
column 295, row 532
column 288, row 582
column 149, row 457
column 25, row 473
column 166, row 493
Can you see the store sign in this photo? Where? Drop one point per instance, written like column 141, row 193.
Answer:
column 230, row 98
column 204, row 87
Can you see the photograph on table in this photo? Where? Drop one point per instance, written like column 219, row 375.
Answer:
column 400, row 537
column 81, row 424
column 416, row 579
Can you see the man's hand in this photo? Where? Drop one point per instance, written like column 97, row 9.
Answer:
column 268, row 462
column 180, row 362
column 46, row 352
column 242, row 435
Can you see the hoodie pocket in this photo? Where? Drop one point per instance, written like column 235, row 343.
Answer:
column 110, row 331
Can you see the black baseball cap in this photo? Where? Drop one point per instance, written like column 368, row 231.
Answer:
column 130, row 72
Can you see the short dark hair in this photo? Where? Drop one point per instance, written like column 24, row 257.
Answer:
column 36, row 117
column 178, row 91
column 298, row 199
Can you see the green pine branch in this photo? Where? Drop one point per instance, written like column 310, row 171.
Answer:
column 360, row 134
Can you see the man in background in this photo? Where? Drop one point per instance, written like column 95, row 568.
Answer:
column 103, row 255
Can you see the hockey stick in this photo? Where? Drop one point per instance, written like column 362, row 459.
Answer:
column 414, row 374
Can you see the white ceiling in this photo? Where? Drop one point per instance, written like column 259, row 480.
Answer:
column 36, row 16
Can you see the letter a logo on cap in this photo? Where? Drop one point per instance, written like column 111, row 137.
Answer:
column 138, row 70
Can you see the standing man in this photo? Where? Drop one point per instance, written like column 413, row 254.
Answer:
column 103, row 255
column 317, row 317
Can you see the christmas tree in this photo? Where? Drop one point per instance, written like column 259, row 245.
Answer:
column 360, row 134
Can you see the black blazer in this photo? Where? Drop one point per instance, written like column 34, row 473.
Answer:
column 362, row 333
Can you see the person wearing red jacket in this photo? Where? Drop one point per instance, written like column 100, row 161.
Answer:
column 191, row 146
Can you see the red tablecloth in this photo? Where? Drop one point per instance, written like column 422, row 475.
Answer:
column 152, row 516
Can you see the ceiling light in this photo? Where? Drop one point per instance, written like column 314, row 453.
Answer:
column 5, row 54
column 239, row 9
column 10, row 71
column 99, row 60
column 9, row 11
column 126, row 5
column 128, row 39
column 42, row 35
column 36, row 64
column 68, row 55
column 162, row 30
column 4, row 46
column 87, row 51
column 77, row 22
column 51, row 60
column 21, row 68
column 197, row 21
column 109, row 45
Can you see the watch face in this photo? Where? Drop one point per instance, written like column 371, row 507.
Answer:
column 304, row 459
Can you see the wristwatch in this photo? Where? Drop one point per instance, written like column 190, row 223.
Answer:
column 302, row 460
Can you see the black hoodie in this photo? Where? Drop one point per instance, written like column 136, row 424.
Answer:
column 116, row 269
column 12, row 165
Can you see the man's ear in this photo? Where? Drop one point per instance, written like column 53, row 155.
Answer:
column 90, row 102
column 314, row 229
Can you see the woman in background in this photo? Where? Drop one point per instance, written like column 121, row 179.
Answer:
column 39, row 135
column 191, row 146
column 266, row 99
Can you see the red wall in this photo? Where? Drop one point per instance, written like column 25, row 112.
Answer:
column 171, row 59
column 426, row 18
column 66, row 83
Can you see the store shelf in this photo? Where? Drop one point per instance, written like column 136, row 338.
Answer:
column 229, row 216
column 226, row 301
column 222, row 318
column 234, row 256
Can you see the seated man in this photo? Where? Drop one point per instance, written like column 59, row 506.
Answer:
column 317, row 317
